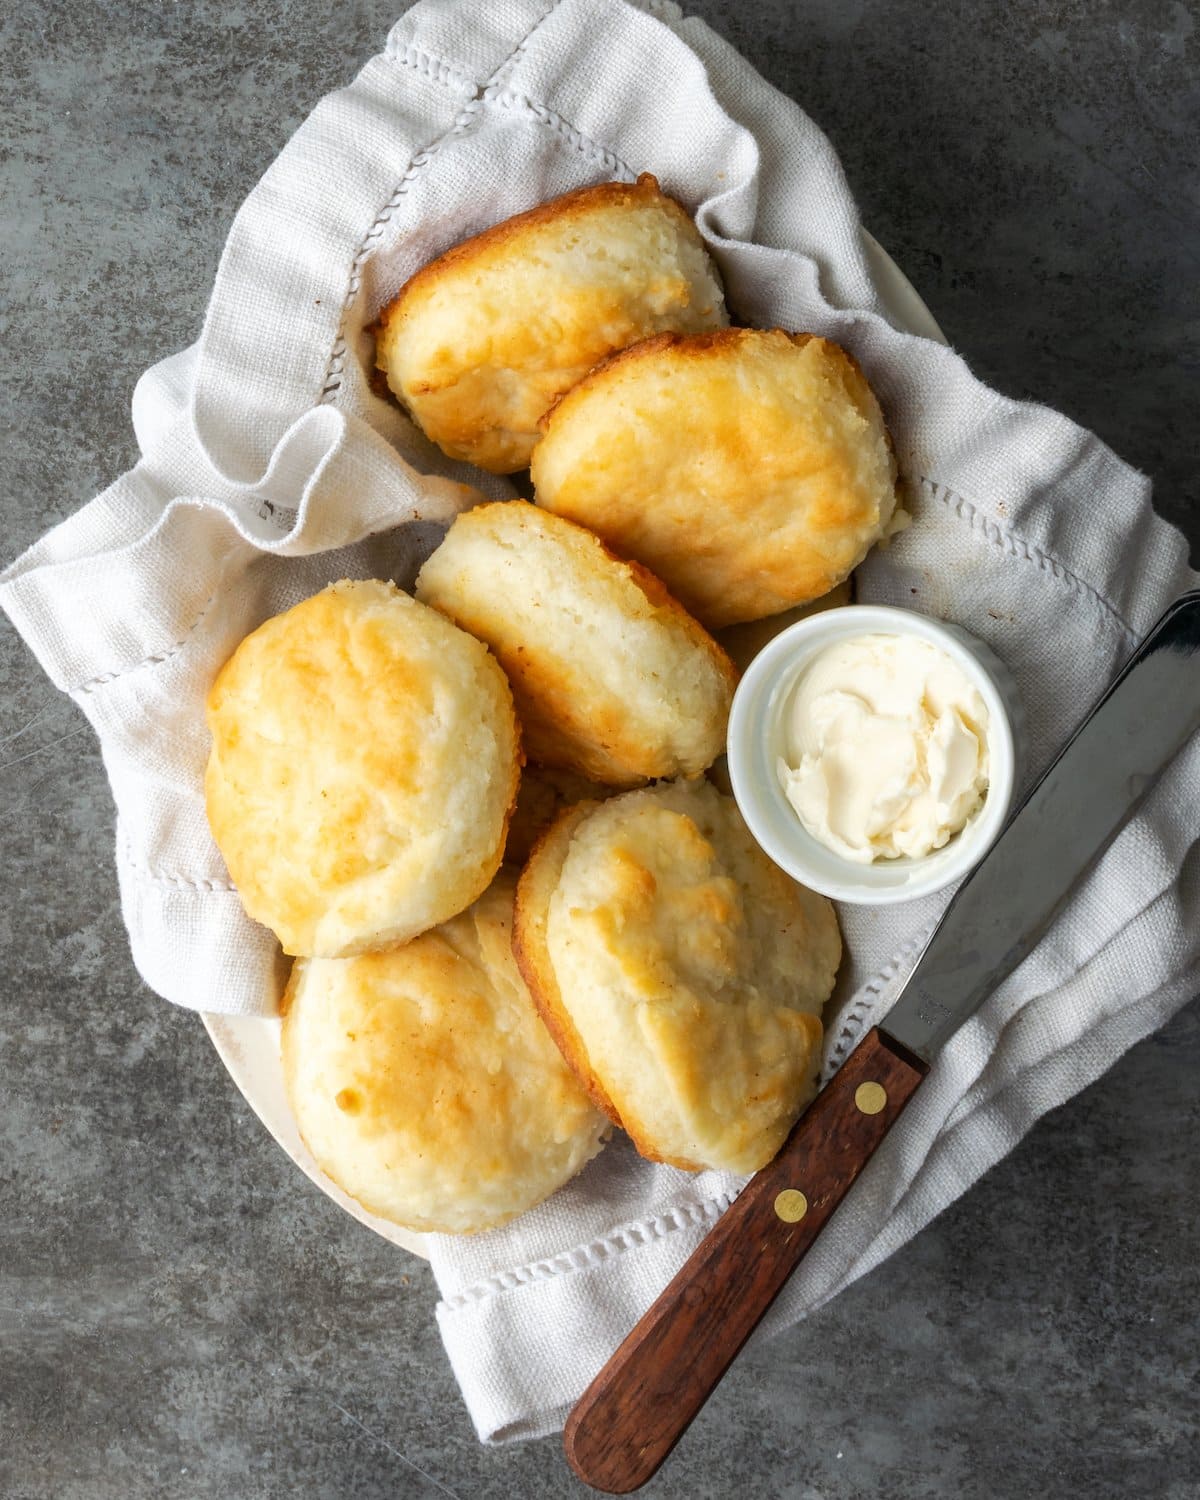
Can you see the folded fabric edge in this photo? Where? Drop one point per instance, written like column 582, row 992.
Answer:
column 1002, row 1119
column 47, row 596
column 580, row 1318
column 996, row 532
column 972, row 514
column 631, row 1235
column 193, row 944
column 508, row 1406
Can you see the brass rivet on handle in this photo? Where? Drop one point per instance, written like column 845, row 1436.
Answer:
column 870, row 1097
column 791, row 1205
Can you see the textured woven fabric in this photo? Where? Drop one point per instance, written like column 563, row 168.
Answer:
column 269, row 468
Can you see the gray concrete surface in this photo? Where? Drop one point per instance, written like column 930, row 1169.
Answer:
column 181, row 1313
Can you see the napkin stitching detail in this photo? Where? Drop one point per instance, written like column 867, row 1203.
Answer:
column 152, row 877
column 1014, row 1021
column 855, row 1018
column 1015, row 545
column 420, row 160
column 461, row 122
column 630, row 1236
column 507, row 98
column 431, row 66
column 142, row 871
column 103, row 678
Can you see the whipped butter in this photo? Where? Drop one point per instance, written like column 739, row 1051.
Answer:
column 886, row 741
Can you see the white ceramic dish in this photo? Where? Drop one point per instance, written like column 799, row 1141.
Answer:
column 758, row 737
column 249, row 1046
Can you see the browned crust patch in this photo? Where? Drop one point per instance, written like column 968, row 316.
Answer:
column 577, row 204
column 687, row 346
column 535, row 887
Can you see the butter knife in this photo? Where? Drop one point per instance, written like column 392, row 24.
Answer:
column 644, row 1398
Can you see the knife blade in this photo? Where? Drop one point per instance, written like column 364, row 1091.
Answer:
column 644, row 1398
column 1003, row 908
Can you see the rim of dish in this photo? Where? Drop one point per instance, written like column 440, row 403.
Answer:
column 769, row 679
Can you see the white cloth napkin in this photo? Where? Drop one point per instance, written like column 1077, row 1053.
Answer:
column 269, row 468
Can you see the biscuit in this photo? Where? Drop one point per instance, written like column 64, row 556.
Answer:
column 750, row 470
column 365, row 757
column 612, row 678
column 424, row 1083
column 681, row 972
column 480, row 341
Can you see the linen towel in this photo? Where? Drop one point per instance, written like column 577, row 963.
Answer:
column 269, row 467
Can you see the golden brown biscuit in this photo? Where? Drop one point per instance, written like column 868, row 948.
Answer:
column 749, row 470
column 480, row 341
column 424, row 1083
column 364, row 761
column 681, row 972
column 612, row 678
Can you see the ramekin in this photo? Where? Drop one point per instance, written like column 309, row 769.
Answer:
column 757, row 741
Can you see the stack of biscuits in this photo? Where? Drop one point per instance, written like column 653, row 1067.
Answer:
column 483, row 818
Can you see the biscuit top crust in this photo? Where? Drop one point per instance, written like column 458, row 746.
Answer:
column 750, row 469
column 424, row 1082
column 568, row 208
column 364, row 760
column 694, row 972
column 479, row 342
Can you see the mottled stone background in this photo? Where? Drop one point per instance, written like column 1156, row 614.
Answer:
column 181, row 1313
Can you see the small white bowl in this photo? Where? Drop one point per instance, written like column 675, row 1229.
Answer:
column 757, row 741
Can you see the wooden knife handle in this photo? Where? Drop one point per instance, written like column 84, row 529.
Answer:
column 644, row 1398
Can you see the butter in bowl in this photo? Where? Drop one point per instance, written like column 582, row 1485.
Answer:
column 871, row 752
